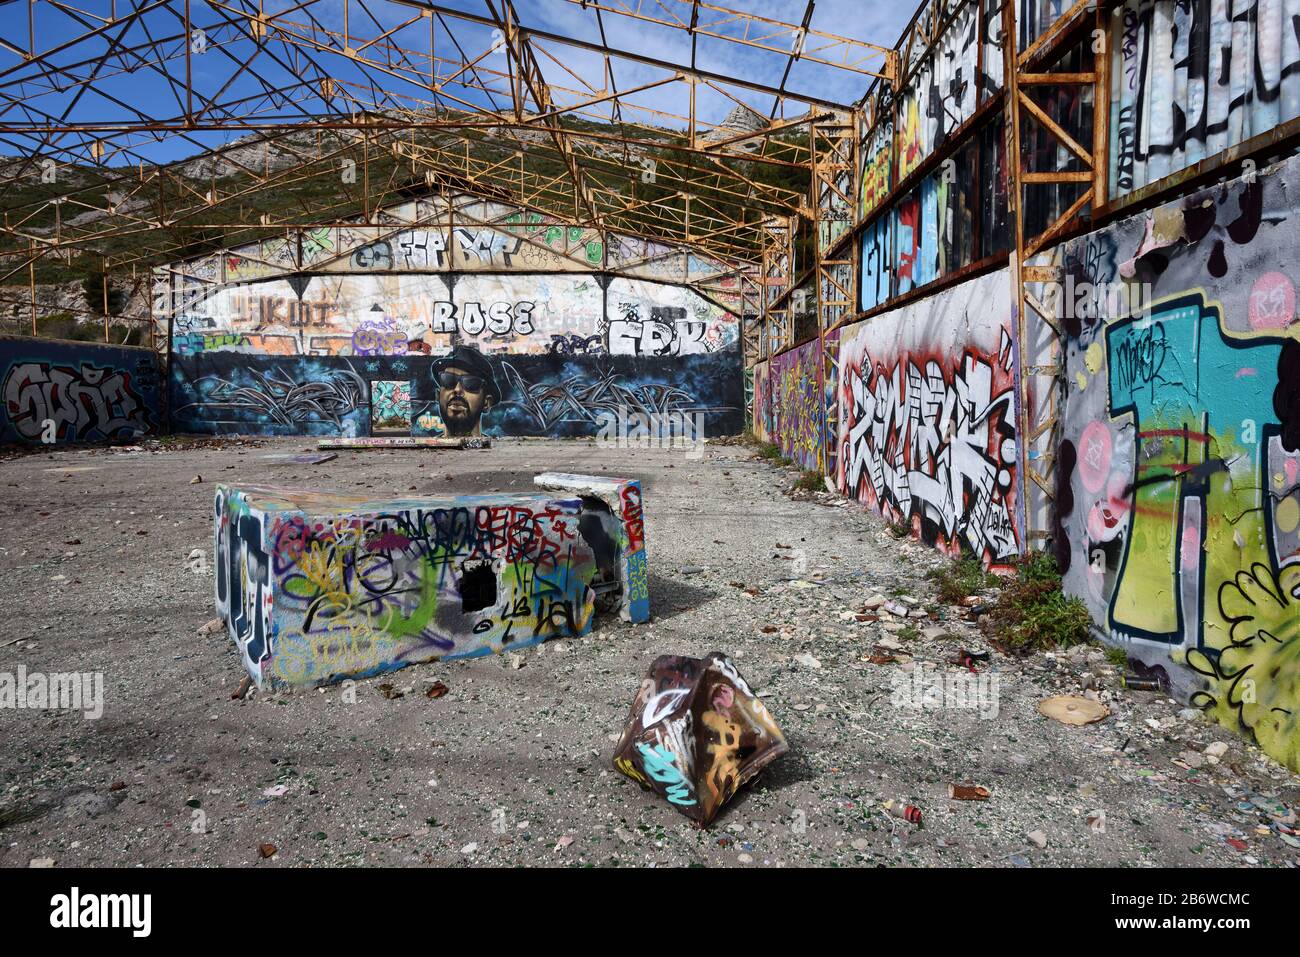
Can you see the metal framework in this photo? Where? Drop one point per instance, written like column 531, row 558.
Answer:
column 118, row 118
column 1035, row 286
column 776, row 276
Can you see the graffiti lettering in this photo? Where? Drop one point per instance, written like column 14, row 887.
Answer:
column 87, row 403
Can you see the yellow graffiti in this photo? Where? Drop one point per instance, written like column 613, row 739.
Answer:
column 1254, row 682
column 628, row 768
column 875, row 178
column 910, row 150
column 721, row 779
column 344, row 647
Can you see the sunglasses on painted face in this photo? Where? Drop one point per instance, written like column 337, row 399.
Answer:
column 472, row 384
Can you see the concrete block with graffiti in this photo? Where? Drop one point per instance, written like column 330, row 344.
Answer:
column 319, row 586
column 696, row 734
column 1178, row 498
column 616, row 504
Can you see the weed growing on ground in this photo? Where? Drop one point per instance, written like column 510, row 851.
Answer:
column 810, row 481
column 961, row 579
column 1033, row 614
column 899, row 529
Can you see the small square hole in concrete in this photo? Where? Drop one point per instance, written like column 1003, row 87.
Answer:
column 478, row 586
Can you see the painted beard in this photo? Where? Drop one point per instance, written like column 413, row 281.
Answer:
column 458, row 416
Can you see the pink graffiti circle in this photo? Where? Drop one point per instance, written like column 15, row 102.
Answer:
column 1272, row 301
column 1094, row 455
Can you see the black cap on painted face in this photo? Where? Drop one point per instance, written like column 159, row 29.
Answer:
column 469, row 362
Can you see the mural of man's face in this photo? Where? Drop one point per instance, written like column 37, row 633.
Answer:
column 463, row 398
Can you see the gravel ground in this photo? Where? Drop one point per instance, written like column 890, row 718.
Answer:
column 512, row 766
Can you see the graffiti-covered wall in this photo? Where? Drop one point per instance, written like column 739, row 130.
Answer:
column 945, row 83
column 926, row 418
column 401, row 313
column 1179, row 469
column 795, row 395
column 953, row 217
column 525, row 395
column 76, row 391
column 461, row 315
column 1191, row 78
column 761, row 408
column 956, row 214
column 307, row 355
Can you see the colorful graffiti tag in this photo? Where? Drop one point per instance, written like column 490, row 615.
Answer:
column 62, row 392
column 1179, row 470
column 797, row 404
column 390, row 405
column 392, row 314
column 926, row 422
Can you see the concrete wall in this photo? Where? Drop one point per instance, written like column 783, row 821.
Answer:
column 926, row 418
column 396, row 313
column 794, row 393
column 55, row 391
column 541, row 395
column 299, row 334
column 1179, row 469
column 261, row 358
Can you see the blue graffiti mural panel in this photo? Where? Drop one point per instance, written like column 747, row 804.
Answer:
column 523, row 395
column 54, row 392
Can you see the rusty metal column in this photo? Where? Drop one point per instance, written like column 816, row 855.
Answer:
column 103, row 271
column 31, row 282
column 1038, row 310
column 833, row 201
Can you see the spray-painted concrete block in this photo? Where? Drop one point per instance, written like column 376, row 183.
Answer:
column 696, row 734
column 624, row 524
column 319, row 586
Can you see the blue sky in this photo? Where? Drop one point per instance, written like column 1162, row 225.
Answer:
column 136, row 85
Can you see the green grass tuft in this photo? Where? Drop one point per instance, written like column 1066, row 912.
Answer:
column 810, row 481
column 1033, row 614
column 961, row 579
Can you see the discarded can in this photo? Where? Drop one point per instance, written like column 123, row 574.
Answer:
column 905, row 812
column 1134, row 683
